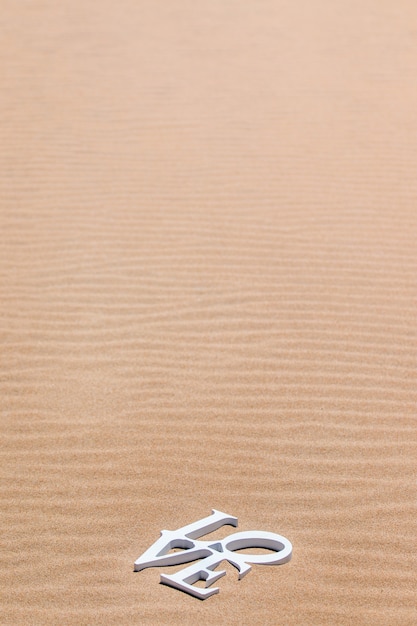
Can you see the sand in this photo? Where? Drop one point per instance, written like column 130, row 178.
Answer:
column 208, row 300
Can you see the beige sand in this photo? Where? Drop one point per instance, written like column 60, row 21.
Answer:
column 208, row 300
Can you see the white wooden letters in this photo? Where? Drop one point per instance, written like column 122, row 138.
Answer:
column 209, row 554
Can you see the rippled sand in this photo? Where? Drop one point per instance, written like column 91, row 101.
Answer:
column 208, row 300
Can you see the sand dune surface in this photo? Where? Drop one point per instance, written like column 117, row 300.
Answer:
column 208, row 300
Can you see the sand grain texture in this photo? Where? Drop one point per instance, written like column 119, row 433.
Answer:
column 208, row 299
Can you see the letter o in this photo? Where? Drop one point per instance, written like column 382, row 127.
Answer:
column 259, row 539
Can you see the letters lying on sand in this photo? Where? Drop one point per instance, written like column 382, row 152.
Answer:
column 210, row 553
